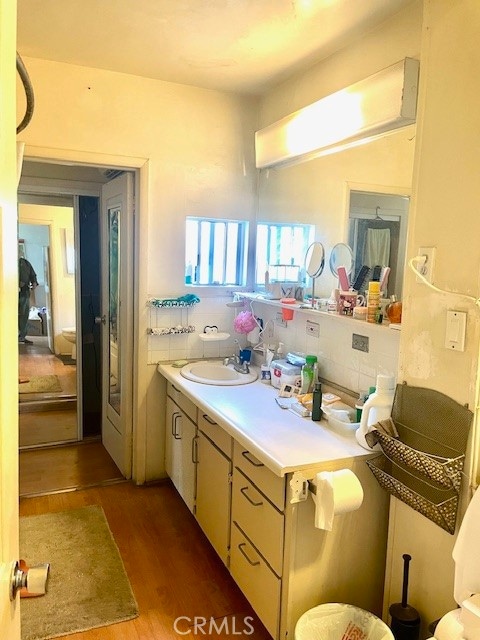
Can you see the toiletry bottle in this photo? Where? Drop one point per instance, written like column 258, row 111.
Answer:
column 332, row 303
column 307, row 374
column 317, row 412
column 373, row 300
column 280, row 351
column 394, row 310
column 378, row 406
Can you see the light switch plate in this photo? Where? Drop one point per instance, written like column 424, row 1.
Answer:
column 455, row 330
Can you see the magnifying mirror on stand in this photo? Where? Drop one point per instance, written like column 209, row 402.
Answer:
column 314, row 264
column 341, row 256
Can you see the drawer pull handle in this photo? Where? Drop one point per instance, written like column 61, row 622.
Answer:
column 248, row 456
column 208, row 419
column 195, row 449
column 175, row 389
column 240, row 548
column 175, row 433
column 255, row 504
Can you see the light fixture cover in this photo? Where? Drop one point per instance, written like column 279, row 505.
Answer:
column 372, row 107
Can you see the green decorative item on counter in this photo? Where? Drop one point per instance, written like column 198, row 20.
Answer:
column 188, row 300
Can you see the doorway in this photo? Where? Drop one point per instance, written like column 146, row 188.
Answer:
column 83, row 185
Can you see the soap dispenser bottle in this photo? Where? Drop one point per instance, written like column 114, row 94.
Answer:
column 377, row 407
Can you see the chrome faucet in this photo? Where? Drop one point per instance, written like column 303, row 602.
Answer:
column 238, row 365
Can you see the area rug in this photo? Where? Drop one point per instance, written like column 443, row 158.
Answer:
column 40, row 384
column 87, row 587
column 66, row 358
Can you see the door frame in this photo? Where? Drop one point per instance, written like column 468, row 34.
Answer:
column 140, row 166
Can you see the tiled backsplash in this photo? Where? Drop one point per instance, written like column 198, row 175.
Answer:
column 339, row 362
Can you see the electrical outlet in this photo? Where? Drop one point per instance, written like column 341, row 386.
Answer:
column 426, row 269
column 279, row 320
column 312, row 329
column 360, row 343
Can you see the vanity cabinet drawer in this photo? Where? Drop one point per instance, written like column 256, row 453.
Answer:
column 216, row 434
column 182, row 401
column 271, row 485
column 259, row 519
column 257, row 581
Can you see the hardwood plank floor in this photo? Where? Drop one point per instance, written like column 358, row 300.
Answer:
column 65, row 467
column 172, row 568
column 37, row 424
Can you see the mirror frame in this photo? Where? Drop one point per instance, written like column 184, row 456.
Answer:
column 308, row 258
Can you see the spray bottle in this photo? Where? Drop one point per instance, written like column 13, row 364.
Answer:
column 377, row 407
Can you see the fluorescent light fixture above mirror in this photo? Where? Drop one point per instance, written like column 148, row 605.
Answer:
column 381, row 103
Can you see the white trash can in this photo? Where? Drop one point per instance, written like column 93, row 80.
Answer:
column 334, row 621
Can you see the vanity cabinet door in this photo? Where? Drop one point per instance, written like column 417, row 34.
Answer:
column 179, row 461
column 213, row 498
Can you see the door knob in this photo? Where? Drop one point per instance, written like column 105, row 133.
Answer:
column 34, row 579
column 100, row 319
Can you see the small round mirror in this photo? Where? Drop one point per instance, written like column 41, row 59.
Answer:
column 341, row 256
column 315, row 259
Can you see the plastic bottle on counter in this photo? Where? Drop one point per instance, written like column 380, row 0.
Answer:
column 317, row 412
column 280, row 354
column 378, row 406
column 332, row 302
column 308, row 374
column 373, row 301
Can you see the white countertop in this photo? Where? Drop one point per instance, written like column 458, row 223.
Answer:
column 283, row 441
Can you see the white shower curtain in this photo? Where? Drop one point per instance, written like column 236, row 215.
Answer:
column 377, row 247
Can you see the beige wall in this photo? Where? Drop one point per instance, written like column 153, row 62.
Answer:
column 62, row 283
column 444, row 215
column 195, row 146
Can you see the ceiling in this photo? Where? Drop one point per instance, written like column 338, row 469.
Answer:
column 244, row 46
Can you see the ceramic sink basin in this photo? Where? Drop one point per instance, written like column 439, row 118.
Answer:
column 216, row 373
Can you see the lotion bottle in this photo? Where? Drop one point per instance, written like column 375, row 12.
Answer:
column 377, row 407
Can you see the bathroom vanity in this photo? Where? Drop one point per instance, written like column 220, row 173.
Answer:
column 239, row 462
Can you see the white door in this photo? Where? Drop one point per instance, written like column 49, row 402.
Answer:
column 9, row 611
column 48, row 297
column 117, row 318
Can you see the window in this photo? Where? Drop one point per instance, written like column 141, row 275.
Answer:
column 281, row 250
column 216, row 252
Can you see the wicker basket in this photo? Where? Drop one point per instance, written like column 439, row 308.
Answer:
column 438, row 505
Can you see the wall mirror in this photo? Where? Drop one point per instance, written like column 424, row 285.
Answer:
column 377, row 233
column 319, row 191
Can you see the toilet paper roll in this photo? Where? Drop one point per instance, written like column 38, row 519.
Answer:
column 336, row 492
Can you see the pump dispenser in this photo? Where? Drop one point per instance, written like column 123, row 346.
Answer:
column 378, row 406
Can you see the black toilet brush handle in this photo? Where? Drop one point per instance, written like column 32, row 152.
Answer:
column 406, row 562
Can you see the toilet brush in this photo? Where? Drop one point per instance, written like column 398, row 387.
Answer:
column 405, row 624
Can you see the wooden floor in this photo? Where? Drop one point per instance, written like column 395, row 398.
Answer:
column 173, row 570
column 66, row 467
column 41, row 420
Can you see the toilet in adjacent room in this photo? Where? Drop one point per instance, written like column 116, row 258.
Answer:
column 70, row 334
column 464, row 623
